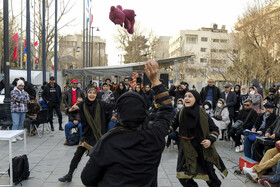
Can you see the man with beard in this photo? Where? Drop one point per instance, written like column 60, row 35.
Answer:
column 149, row 95
column 33, row 109
column 178, row 92
column 210, row 93
column 129, row 154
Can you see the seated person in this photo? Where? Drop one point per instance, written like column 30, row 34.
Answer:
column 263, row 122
column 272, row 132
column 270, row 159
column 272, row 181
column 33, row 109
column 221, row 116
column 248, row 116
column 73, row 122
column 113, row 121
column 207, row 105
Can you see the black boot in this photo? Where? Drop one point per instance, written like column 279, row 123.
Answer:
column 223, row 135
column 66, row 178
column 52, row 128
column 60, row 128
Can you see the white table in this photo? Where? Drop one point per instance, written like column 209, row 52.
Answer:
column 9, row 135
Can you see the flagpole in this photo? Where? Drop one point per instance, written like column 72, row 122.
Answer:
column 28, row 41
column 44, row 41
column 89, row 39
column 21, row 33
column 55, row 43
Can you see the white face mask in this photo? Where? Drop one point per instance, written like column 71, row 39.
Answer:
column 219, row 105
column 180, row 106
column 252, row 92
column 206, row 107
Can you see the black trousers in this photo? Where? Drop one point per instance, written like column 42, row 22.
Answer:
column 260, row 149
column 76, row 159
column 236, row 136
column 55, row 107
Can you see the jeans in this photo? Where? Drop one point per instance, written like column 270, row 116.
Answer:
column 275, row 179
column 249, row 148
column 69, row 126
column 18, row 119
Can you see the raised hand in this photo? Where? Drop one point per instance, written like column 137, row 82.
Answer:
column 151, row 69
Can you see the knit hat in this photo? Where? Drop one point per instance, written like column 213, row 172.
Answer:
column 20, row 82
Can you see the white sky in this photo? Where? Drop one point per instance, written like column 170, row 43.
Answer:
column 164, row 17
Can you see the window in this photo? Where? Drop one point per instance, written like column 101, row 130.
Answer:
column 223, row 40
column 215, row 40
column 222, row 51
column 203, row 60
column 191, row 39
column 214, row 50
column 202, row 49
column 204, row 39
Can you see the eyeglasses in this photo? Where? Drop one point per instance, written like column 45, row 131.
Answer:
column 246, row 105
column 74, row 83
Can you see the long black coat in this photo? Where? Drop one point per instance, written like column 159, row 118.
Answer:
column 129, row 158
column 230, row 101
column 216, row 94
column 271, row 118
column 251, row 119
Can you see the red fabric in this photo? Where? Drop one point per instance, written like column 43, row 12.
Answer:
column 15, row 36
column 74, row 97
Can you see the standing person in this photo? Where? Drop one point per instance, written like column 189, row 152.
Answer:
column 237, row 105
column 256, row 84
column 105, row 94
column 197, row 153
column 92, row 118
column 70, row 96
column 126, row 83
column 149, row 95
column 52, row 96
column 94, row 84
column 19, row 100
column 210, row 92
column 66, row 87
column 110, row 85
column 130, row 154
column 230, row 99
column 244, row 95
column 256, row 99
column 29, row 88
column 178, row 92
column 120, row 90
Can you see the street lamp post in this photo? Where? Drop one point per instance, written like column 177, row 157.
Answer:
column 91, row 50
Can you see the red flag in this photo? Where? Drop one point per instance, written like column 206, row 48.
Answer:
column 15, row 36
column 91, row 19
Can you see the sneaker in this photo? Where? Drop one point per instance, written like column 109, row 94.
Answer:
column 14, row 140
column 66, row 178
column 237, row 149
column 261, row 181
column 61, row 129
column 268, row 184
column 247, row 170
column 19, row 138
column 65, row 143
column 241, row 148
column 252, row 176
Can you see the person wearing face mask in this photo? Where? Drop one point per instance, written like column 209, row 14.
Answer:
column 207, row 105
column 221, row 117
column 92, row 117
column 262, row 123
column 197, row 154
column 256, row 98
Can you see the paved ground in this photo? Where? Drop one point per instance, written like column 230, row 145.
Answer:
column 49, row 159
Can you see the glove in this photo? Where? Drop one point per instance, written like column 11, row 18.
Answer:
column 219, row 118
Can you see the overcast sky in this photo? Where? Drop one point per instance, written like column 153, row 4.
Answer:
column 164, row 17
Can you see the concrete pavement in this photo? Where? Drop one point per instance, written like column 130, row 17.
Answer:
column 49, row 159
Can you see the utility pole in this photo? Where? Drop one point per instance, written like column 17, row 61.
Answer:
column 84, row 84
column 21, row 33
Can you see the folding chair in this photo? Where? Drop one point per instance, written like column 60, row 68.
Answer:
column 42, row 118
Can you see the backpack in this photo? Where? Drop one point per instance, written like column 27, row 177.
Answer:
column 73, row 139
column 20, row 169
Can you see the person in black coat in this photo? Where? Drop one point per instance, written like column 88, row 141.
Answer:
column 248, row 116
column 210, row 93
column 92, row 117
column 52, row 96
column 230, row 98
column 149, row 95
column 237, row 105
column 120, row 90
column 178, row 92
column 129, row 154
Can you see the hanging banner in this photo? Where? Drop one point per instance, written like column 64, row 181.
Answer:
column 15, row 36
